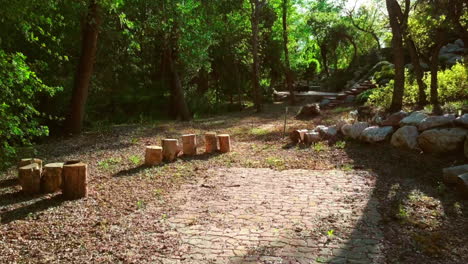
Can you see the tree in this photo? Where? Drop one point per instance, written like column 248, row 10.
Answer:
column 84, row 72
column 398, row 21
column 256, row 7
column 289, row 79
column 365, row 20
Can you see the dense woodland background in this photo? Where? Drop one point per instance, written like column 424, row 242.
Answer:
column 70, row 65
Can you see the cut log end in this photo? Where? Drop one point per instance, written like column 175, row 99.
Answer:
column 29, row 177
column 170, row 149
column 75, row 184
column 153, row 155
column 224, row 143
column 189, row 144
column 24, row 162
column 211, row 143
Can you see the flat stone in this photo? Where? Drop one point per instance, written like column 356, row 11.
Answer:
column 436, row 121
column 376, row 134
column 354, row 130
column 394, row 119
column 450, row 174
column 462, row 121
column 413, row 119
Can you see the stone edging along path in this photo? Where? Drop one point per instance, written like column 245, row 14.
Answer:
column 264, row 216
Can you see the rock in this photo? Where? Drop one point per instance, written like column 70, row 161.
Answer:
column 414, row 119
column 462, row 121
column 436, row 121
column 340, row 124
column 308, row 111
column 376, row 134
column 406, row 137
column 462, row 184
column 350, row 98
column 394, row 119
column 325, row 102
column 442, row 140
column 450, row 174
column 327, row 132
column 354, row 131
column 466, row 147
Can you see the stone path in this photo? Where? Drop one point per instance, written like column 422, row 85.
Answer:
column 264, row 216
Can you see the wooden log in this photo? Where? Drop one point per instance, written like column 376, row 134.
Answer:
column 211, row 143
column 51, row 180
column 75, row 182
column 297, row 136
column 153, row 155
column 29, row 177
column 189, row 144
column 311, row 137
column 224, row 143
column 170, row 149
column 24, row 162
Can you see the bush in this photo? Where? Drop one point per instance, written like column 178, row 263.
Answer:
column 453, row 86
column 19, row 91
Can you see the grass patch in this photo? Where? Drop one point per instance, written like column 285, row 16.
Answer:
column 135, row 160
column 339, row 110
column 340, row 144
column 109, row 163
column 319, row 147
column 259, row 131
column 275, row 162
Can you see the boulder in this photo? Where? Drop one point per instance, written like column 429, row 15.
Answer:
column 450, row 174
column 376, row 134
column 462, row 121
column 340, row 124
column 394, row 119
column 413, row 119
column 308, row 111
column 406, row 137
column 354, row 131
column 466, row 147
column 462, row 184
column 436, row 121
column 442, row 140
column 327, row 132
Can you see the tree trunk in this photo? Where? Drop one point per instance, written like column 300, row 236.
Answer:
column 211, row 143
column 189, row 144
column 170, row 149
column 418, row 72
column 75, row 183
column 289, row 79
column 177, row 91
column 84, row 72
column 29, row 177
column 254, row 20
column 398, row 55
column 323, row 52
column 224, row 143
column 153, row 155
column 51, row 180
column 434, row 80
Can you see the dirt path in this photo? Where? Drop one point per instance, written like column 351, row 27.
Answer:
column 244, row 215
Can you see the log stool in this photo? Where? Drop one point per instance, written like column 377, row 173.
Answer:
column 170, row 149
column 153, row 155
column 211, row 143
column 24, row 162
column 75, row 183
column 29, row 177
column 297, row 136
column 311, row 137
column 224, row 143
column 189, row 144
column 51, row 180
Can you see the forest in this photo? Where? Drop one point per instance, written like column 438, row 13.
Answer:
column 233, row 131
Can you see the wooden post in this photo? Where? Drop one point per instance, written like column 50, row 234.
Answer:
column 170, row 149
column 153, row 155
column 75, row 183
column 29, row 177
column 189, row 144
column 51, row 180
column 24, row 162
column 211, row 143
column 297, row 136
column 224, row 143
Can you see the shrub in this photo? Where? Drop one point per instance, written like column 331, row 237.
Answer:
column 19, row 92
column 453, row 86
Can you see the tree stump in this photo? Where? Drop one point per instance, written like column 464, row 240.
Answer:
column 24, row 162
column 170, row 149
column 224, row 143
column 297, row 136
column 75, row 183
column 153, row 155
column 211, row 143
column 51, row 180
column 189, row 144
column 29, row 177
